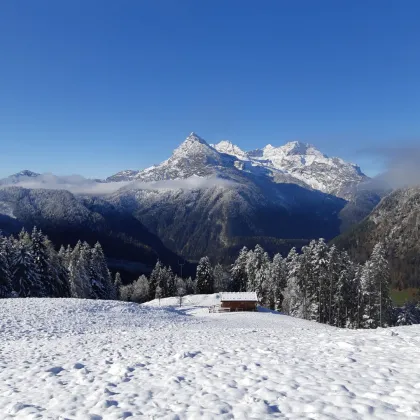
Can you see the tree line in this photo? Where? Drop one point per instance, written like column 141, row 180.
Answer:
column 321, row 283
column 31, row 267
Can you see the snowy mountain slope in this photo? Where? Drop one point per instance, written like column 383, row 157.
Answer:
column 193, row 157
column 256, row 201
column 110, row 360
column 66, row 218
column 21, row 176
column 303, row 162
column 208, row 221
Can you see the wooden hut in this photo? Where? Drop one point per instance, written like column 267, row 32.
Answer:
column 240, row 301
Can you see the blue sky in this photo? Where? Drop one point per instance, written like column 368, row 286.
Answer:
column 94, row 87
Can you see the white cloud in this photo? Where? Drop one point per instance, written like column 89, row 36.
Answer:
column 77, row 184
column 402, row 166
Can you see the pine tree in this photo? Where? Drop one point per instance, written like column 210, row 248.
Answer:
column 221, row 279
column 100, row 278
column 42, row 264
column 5, row 272
column 257, row 266
column 204, row 278
column 26, row 281
column 79, row 278
column 320, row 278
column 263, row 283
column 278, row 276
column 190, row 286
column 168, row 282
column 239, row 272
column 118, row 285
column 155, row 279
column 294, row 299
column 382, row 281
column 59, row 285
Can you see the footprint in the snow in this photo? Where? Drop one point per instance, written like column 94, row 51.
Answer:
column 55, row 370
column 78, row 366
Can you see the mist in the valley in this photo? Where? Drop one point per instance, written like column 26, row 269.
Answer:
column 402, row 167
column 77, row 184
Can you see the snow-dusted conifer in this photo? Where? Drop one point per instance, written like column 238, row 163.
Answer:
column 100, row 277
column 190, row 286
column 221, row 279
column 5, row 272
column 204, row 278
column 80, row 284
column 239, row 272
column 26, row 281
column 117, row 286
column 168, row 282
column 59, row 285
column 293, row 302
column 278, row 277
column 382, row 281
column 155, row 279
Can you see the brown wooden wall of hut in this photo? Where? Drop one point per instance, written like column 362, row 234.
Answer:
column 241, row 305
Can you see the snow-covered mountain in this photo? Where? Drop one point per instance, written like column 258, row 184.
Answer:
column 22, row 176
column 247, row 200
column 212, row 200
column 193, row 157
column 295, row 162
column 305, row 163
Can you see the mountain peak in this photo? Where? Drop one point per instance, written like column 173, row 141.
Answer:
column 192, row 145
column 227, row 147
column 193, row 137
column 26, row 172
column 297, row 148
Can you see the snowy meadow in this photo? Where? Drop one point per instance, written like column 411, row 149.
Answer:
column 85, row 359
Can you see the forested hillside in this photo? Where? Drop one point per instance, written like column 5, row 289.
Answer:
column 396, row 223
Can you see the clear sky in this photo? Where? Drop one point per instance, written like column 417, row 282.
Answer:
column 97, row 86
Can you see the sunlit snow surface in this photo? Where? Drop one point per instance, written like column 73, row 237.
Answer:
column 74, row 359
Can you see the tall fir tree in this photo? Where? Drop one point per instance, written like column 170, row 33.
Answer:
column 117, row 286
column 221, row 279
column 239, row 272
column 204, row 277
column 26, row 279
column 100, row 277
column 58, row 274
column 155, row 279
column 79, row 276
column 278, row 276
column 293, row 302
column 5, row 271
column 382, row 279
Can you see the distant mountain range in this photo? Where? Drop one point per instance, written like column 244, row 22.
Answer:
column 295, row 162
column 204, row 200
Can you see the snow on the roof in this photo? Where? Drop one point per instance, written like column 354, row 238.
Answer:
column 243, row 296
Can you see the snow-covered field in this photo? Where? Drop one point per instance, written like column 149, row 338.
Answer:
column 73, row 359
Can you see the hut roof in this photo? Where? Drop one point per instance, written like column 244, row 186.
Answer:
column 239, row 296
